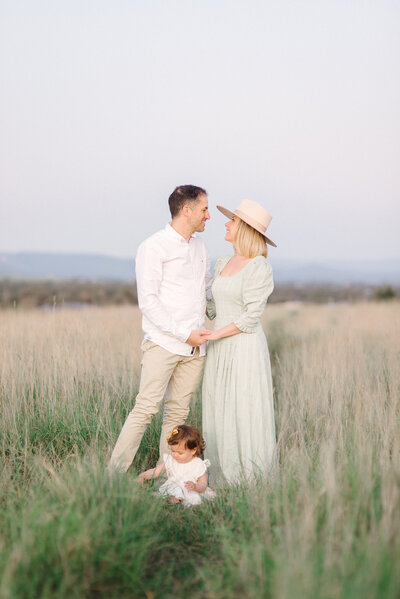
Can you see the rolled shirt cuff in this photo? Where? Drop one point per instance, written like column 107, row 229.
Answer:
column 183, row 334
column 211, row 312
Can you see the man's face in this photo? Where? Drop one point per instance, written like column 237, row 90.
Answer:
column 199, row 214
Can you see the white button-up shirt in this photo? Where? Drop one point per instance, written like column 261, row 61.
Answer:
column 173, row 280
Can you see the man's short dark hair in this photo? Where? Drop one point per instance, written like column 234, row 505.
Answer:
column 183, row 195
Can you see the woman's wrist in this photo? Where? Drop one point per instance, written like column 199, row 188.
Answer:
column 228, row 331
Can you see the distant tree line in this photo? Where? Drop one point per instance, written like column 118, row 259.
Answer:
column 34, row 294
column 55, row 294
column 325, row 293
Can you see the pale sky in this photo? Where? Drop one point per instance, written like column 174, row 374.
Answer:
column 106, row 106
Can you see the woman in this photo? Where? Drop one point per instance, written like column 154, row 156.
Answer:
column 238, row 412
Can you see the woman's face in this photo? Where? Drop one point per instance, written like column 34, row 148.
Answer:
column 231, row 228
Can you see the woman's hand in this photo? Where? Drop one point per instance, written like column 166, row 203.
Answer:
column 212, row 336
column 228, row 331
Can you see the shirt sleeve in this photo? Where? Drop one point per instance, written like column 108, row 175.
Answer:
column 208, row 276
column 258, row 285
column 149, row 271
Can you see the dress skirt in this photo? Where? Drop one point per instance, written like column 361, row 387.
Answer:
column 237, row 394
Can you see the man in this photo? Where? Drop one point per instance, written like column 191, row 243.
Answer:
column 172, row 275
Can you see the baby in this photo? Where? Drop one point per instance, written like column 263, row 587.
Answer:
column 186, row 471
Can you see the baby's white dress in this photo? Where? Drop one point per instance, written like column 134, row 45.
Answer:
column 178, row 474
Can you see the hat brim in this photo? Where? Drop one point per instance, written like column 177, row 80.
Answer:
column 231, row 214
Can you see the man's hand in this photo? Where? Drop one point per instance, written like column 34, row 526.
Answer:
column 228, row 331
column 197, row 338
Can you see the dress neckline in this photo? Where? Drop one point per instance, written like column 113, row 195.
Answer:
column 238, row 272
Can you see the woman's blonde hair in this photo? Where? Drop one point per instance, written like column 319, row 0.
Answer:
column 249, row 242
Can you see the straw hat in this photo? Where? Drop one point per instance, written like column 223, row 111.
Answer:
column 253, row 214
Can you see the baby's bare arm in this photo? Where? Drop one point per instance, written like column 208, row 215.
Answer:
column 152, row 473
column 200, row 485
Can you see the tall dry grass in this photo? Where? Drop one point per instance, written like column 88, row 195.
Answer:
column 327, row 525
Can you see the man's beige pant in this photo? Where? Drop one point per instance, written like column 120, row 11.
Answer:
column 159, row 367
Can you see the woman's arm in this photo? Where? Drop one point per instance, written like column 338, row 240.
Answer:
column 258, row 284
column 228, row 331
column 200, row 485
column 152, row 473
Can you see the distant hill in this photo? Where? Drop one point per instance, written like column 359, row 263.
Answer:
column 96, row 267
column 338, row 272
column 92, row 267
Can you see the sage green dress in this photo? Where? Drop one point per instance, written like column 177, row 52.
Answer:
column 238, row 411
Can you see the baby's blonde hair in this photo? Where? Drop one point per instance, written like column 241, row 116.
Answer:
column 249, row 242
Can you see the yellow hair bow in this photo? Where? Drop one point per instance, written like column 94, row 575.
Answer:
column 173, row 432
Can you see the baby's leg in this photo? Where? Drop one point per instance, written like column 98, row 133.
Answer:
column 171, row 490
column 173, row 499
column 176, row 492
column 192, row 498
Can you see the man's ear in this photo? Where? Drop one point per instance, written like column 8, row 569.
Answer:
column 186, row 210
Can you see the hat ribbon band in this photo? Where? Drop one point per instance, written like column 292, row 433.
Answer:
column 251, row 221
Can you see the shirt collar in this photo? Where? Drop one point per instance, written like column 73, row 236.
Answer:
column 172, row 233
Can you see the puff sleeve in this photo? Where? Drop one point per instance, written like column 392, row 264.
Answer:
column 201, row 468
column 258, row 285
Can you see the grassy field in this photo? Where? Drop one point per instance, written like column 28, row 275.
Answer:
column 326, row 526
